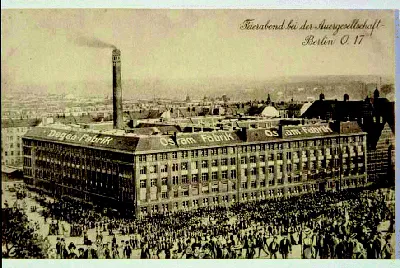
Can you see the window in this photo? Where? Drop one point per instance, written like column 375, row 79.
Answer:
column 195, row 178
column 233, row 186
column 312, row 165
column 262, row 170
column 185, row 192
column 185, row 179
column 296, row 166
column 224, row 162
column 194, row 165
column 174, row 155
column 153, row 169
column 164, row 168
column 289, row 168
column 224, row 150
column 142, row 183
column 233, row 174
column 288, row 155
column 153, row 182
column 164, row 195
column 244, row 185
column 252, row 159
column 205, row 190
column 262, row 158
column 175, row 180
column 214, row 162
column 204, row 164
column 214, row 176
column 253, row 184
column 271, row 157
column 304, row 166
column 153, row 157
column 204, row 177
column 279, row 156
column 204, row 152
column 233, row 161
column 195, row 203
column 142, row 158
column 164, row 181
column 214, row 151
column 175, row 167
column 271, row 182
column 176, row 195
column 194, row 153
column 214, row 188
column 253, row 171
column 262, row 183
column 184, row 166
column 185, row 154
column 142, row 170
column 280, row 168
column 271, row 169
column 143, row 210
column 224, row 174
column 243, row 160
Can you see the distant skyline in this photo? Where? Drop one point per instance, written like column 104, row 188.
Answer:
column 42, row 47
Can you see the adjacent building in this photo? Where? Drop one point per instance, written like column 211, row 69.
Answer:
column 11, row 140
column 376, row 117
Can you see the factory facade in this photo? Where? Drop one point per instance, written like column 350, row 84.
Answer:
column 147, row 174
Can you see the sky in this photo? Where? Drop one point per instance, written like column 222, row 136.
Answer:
column 43, row 47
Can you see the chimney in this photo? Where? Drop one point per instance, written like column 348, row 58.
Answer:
column 117, row 90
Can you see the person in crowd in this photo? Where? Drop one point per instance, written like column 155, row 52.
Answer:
column 273, row 248
column 285, row 246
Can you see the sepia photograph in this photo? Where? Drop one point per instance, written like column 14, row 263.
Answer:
column 198, row 134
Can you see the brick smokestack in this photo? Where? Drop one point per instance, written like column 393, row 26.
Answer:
column 117, row 90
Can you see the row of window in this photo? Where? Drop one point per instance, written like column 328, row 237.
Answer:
column 12, row 153
column 185, row 154
column 325, row 163
column 185, row 179
column 61, row 150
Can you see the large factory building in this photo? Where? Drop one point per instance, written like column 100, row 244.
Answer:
column 148, row 174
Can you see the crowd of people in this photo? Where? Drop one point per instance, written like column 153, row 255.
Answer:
column 323, row 225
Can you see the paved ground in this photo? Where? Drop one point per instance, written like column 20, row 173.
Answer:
column 78, row 241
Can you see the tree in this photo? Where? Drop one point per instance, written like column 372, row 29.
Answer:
column 19, row 239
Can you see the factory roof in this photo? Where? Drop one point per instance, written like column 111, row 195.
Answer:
column 130, row 143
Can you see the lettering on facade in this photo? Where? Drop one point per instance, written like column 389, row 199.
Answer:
column 84, row 138
column 271, row 133
column 307, row 130
column 205, row 138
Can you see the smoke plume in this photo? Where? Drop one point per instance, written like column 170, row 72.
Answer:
column 92, row 42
